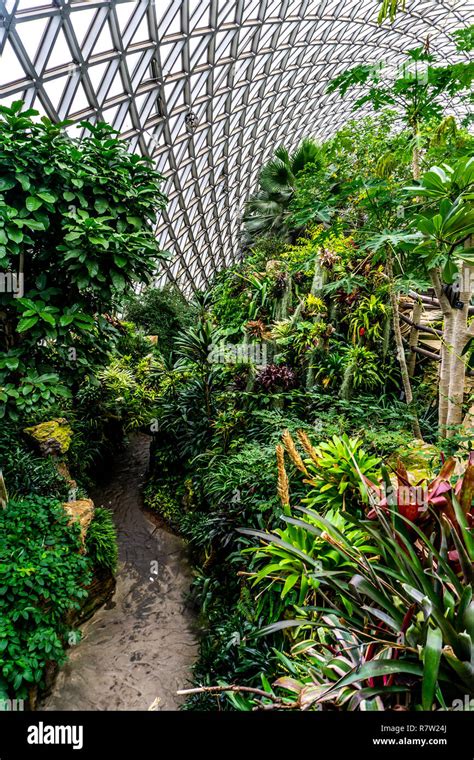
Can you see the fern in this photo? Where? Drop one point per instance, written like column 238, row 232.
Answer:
column 101, row 540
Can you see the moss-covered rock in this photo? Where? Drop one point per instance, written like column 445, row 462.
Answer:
column 273, row 265
column 52, row 437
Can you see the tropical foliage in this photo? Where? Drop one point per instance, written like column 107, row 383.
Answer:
column 42, row 578
column 307, row 426
column 76, row 235
column 309, row 414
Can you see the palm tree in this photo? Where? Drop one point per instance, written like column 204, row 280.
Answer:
column 266, row 211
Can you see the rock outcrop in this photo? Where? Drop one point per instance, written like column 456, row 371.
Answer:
column 81, row 511
column 52, row 437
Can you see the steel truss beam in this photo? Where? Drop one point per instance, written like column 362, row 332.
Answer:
column 250, row 74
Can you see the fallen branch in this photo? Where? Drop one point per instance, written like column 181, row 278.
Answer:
column 243, row 689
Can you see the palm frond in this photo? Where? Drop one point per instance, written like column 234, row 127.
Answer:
column 276, row 177
column 308, row 152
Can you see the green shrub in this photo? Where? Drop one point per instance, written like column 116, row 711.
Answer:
column 164, row 503
column 101, row 540
column 244, row 477
column 133, row 342
column 42, row 579
column 228, row 650
column 335, row 473
column 24, row 471
column 73, row 211
column 162, row 312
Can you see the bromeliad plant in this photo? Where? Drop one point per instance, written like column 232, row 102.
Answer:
column 367, row 320
column 276, row 377
column 362, row 371
column 442, row 509
column 393, row 623
column 296, row 556
column 332, row 471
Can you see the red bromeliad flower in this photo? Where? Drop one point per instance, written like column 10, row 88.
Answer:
column 413, row 501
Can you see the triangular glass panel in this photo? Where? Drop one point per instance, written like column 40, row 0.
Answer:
column 31, row 34
column 142, row 33
column 124, row 13
column 132, row 62
column 55, row 89
column 116, row 86
column 81, row 21
column 104, row 41
column 80, row 102
column 10, row 70
column 199, row 13
column 96, row 74
column 109, row 115
column 60, row 53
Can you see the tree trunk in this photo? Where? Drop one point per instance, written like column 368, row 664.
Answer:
column 284, row 303
column 457, row 379
column 414, row 334
column 386, row 332
column 3, row 493
column 399, row 344
column 457, row 373
column 416, row 155
column 347, row 382
column 446, row 352
column 456, row 334
column 319, row 279
column 445, row 373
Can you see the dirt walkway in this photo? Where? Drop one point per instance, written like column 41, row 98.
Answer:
column 141, row 645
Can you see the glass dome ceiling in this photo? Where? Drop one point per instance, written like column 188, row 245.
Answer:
column 207, row 88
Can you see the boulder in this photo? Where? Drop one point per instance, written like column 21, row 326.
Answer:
column 81, row 511
column 52, row 437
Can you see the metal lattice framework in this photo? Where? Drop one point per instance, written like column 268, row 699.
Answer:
column 207, row 88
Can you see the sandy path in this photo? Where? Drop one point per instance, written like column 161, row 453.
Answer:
column 141, row 645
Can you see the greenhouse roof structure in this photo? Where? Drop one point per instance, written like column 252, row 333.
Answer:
column 206, row 88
